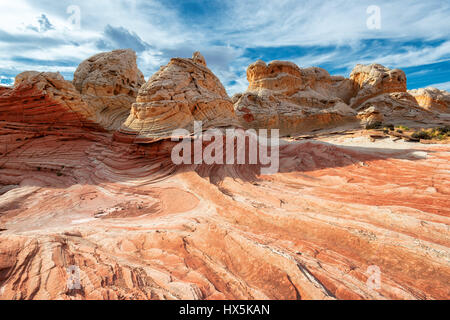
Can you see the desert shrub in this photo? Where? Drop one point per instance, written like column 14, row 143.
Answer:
column 422, row 134
column 402, row 127
column 374, row 125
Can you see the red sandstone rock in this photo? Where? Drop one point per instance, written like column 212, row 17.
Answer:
column 45, row 100
column 178, row 94
column 283, row 96
column 139, row 228
column 135, row 226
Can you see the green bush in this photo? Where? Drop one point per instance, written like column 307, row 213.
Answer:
column 423, row 135
column 402, row 127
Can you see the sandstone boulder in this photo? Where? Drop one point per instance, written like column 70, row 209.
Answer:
column 395, row 108
column 372, row 80
column 181, row 92
column 109, row 82
column 283, row 96
column 371, row 117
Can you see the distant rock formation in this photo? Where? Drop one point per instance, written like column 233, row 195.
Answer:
column 281, row 95
column 381, row 97
column 375, row 79
column 109, row 83
column 181, row 92
column 46, row 100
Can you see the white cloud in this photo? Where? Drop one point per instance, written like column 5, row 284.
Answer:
column 338, row 24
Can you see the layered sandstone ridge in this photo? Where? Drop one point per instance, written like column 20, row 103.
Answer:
column 100, row 96
column 281, row 95
column 432, row 99
column 181, row 92
column 46, row 100
column 109, row 83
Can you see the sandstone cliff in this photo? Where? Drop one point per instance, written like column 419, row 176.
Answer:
column 281, row 95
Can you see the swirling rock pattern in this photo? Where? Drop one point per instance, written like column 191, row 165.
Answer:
column 135, row 226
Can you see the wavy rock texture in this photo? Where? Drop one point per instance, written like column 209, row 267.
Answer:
column 372, row 80
column 44, row 101
column 178, row 94
column 283, row 96
column 109, row 83
column 137, row 227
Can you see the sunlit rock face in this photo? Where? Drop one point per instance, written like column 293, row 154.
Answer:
column 283, row 96
column 109, row 83
column 432, row 99
column 136, row 226
column 381, row 97
column 44, row 100
column 372, row 80
column 181, row 92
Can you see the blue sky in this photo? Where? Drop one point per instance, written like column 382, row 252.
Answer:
column 45, row 35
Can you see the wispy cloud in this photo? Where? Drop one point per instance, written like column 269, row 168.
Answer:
column 231, row 34
column 442, row 86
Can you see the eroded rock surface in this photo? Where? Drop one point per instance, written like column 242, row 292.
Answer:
column 44, row 100
column 178, row 94
column 109, row 83
column 432, row 99
column 137, row 227
column 372, row 80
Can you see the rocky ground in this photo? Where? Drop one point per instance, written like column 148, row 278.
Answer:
column 78, row 190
